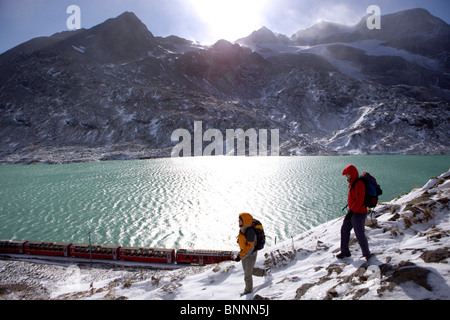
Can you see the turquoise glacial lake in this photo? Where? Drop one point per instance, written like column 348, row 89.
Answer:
column 190, row 202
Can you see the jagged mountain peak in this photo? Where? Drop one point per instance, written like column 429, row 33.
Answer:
column 263, row 31
column 223, row 44
column 321, row 32
column 128, row 15
column 116, row 40
column 121, row 39
column 124, row 20
column 263, row 35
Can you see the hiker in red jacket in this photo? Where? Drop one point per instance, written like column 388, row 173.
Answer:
column 356, row 216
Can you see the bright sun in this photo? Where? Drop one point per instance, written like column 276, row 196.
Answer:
column 230, row 19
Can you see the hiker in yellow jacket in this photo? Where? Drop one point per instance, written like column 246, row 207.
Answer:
column 248, row 254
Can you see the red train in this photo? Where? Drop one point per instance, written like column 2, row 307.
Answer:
column 202, row 256
column 96, row 251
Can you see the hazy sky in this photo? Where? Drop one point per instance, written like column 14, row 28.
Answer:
column 203, row 20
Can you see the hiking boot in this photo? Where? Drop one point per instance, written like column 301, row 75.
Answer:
column 369, row 257
column 245, row 292
column 343, row 255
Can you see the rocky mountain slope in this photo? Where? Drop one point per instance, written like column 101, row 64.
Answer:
column 116, row 91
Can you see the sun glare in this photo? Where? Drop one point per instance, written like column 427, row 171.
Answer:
column 230, row 19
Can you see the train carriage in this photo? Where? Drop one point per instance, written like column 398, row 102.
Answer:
column 47, row 248
column 202, row 257
column 94, row 251
column 146, row 254
column 12, row 246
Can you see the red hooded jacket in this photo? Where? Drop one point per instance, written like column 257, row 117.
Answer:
column 355, row 194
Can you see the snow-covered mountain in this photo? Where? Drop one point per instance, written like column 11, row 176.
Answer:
column 116, row 91
column 411, row 48
column 409, row 237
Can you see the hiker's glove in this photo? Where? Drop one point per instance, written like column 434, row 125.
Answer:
column 237, row 259
column 349, row 214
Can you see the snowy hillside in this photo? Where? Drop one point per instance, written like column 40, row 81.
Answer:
column 408, row 235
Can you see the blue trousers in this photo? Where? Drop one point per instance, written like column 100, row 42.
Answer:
column 356, row 222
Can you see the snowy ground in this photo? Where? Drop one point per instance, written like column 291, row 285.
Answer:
column 409, row 237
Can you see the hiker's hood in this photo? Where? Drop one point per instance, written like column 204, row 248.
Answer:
column 352, row 171
column 247, row 219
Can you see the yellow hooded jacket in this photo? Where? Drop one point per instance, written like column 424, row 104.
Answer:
column 245, row 244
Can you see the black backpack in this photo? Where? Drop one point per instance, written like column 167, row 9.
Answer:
column 260, row 235
column 373, row 190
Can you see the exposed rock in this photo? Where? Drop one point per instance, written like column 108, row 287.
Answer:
column 302, row 290
column 437, row 255
column 411, row 273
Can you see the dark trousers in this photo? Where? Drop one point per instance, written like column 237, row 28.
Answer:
column 356, row 222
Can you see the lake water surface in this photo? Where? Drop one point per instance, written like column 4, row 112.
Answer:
column 190, row 202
